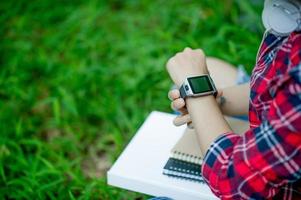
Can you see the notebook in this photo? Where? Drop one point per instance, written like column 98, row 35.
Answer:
column 185, row 159
column 139, row 167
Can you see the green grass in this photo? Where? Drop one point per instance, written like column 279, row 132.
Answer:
column 77, row 78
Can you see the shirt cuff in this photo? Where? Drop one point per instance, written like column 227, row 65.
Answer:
column 216, row 157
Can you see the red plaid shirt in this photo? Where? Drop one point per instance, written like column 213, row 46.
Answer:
column 265, row 162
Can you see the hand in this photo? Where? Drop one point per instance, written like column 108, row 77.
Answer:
column 178, row 104
column 186, row 63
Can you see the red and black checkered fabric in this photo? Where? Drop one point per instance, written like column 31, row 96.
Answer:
column 264, row 162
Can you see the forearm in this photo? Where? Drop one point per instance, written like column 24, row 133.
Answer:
column 236, row 100
column 207, row 120
column 205, row 113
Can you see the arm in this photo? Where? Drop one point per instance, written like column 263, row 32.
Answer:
column 257, row 164
column 236, row 100
column 207, row 119
column 232, row 101
column 206, row 116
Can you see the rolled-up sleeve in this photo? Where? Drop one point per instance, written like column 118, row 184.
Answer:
column 261, row 161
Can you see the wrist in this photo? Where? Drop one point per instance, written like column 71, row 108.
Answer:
column 192, row 74
column 205, row 100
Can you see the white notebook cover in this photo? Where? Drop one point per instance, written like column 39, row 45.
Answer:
column 139, row 167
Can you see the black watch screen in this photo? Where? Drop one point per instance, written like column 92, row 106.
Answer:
column 200, row 84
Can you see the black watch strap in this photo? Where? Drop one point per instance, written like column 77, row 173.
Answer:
column 215, row 94
column 182, row 92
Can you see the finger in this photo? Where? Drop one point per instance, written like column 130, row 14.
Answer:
column 181, row 120
column 187, row 49
column 219, row 93
column 200, row 51
column 183, row 110
column 173, row 94
column 190, row 125
column 178, row 104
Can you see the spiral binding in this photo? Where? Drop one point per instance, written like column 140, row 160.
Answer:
column 183, row 170
column 182, row 176
column 187, row 157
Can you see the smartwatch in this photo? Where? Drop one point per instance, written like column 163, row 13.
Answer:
column 198, row 86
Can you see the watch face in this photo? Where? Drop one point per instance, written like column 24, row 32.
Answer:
column 200, row 84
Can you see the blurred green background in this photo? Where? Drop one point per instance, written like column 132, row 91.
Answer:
column 77, row 79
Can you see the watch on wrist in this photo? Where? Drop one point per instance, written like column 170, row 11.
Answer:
column 198, row 86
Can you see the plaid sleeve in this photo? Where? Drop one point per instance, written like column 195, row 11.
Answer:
column 257, row 164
